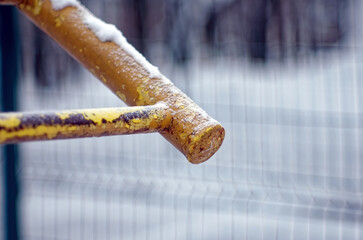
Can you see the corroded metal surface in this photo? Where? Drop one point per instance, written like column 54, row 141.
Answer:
column 192, row 131
column 18, row 127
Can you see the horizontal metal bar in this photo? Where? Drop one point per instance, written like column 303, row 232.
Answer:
column 19, row 127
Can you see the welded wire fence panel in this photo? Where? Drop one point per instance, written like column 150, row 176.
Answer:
column 290, row 166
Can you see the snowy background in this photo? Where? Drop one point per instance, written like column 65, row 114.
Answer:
column 290, row 166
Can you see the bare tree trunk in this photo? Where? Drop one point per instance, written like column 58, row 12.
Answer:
column 257, row 34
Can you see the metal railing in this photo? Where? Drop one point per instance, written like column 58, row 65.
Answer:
column 121, row 68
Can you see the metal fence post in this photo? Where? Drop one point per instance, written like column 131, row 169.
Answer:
column 8, row 78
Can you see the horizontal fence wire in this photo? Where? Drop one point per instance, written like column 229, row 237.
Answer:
column 289, row 168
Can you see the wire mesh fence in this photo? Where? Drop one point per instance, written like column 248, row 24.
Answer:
column 290, row 166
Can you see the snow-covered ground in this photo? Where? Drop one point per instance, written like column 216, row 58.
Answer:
column 290, row 166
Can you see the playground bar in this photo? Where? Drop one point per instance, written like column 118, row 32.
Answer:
column 103, row 50
column 19, row 127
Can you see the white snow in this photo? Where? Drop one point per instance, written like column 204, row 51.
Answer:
column 60, row 4
column 108, row 33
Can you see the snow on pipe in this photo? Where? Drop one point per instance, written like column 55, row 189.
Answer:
column 103, row 50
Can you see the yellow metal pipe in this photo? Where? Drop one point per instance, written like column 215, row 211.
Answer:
column 19, row 127
column 112, row 60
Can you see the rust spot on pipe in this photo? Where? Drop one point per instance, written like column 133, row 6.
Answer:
column 132, row 116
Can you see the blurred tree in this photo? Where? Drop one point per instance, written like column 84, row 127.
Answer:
column 51, row 63
column 282, row 24
column 177, row 29
column 258, row 29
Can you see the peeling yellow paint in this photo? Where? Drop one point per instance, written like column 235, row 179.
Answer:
column 122, row 96
column 144, row 96
column 140, row 124
column 49, row 131
column 179, row 105
column 183, row 135
column 208, row 129
column 103, row 79
column 58, row 20
column 35, row 9
column 10, row 122
column 63, row 115
column 108, row 115
column 38, row 7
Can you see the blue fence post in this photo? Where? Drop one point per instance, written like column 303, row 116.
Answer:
column 9, row 50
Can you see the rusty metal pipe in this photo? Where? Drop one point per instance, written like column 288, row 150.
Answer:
column 191, row 130
column 20, row 127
